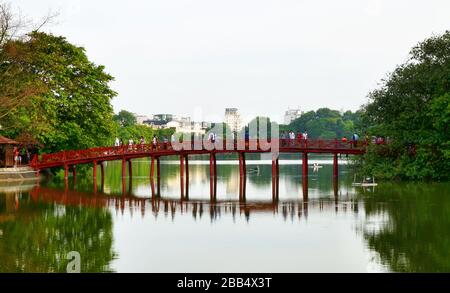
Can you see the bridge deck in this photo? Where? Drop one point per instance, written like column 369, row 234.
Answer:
column 183, row 150
column 75, row 157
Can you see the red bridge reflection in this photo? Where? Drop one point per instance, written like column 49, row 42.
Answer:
column 197, row 208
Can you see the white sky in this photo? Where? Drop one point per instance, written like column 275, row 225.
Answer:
column 261, row 56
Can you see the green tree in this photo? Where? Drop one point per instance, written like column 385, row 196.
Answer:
column 17, row 84
column 136, row 131
column 73, row 111
column 412, row 109
column 326, row 123
column 125, row 118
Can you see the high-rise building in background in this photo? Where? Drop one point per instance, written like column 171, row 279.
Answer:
column 181, row 124
column 291, row 114
column 141, row 118
column 233, row 119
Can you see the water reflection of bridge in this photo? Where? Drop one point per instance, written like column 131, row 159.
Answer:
column 196, row 207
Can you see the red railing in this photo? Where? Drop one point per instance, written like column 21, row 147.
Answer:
column 100, row 153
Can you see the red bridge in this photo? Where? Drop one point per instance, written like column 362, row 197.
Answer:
column 96, row 156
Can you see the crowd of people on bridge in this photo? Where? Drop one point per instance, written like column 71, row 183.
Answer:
column 290, row 138
column 287, row 139
column 131, row 145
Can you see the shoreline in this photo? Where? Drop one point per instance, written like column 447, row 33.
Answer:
column 16, row 174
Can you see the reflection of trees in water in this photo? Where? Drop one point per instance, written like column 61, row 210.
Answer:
column 42, row 234
column 416, row 236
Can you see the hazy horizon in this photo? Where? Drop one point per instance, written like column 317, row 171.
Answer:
column 262, row 57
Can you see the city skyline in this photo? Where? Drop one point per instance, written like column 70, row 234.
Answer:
column 179, row 56
column 289, row 114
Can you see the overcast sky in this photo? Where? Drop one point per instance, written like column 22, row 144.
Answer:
column 260, row 56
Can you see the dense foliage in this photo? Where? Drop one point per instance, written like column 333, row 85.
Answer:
column 325, row 123
column 412, row 108
column 125, row 118
column 72, row 108
column 125, row 128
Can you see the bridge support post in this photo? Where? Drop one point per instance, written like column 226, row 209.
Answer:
column 242, row 176
column 305, row 165
column 74, row 173
column 95, row 176
column 124, row 175
column 182, row 175
column 335, row 178
column 212, row 175
column 186, row 158
column 242, row 166
column 275, row 178
column 102, row 172
column 305, row 176
column 335, row 166
column 124, row 186
column 130, row 185
column 95, row 171
column 335, row 189
column 124, row 168
column 305, row 188
column 158, row 176
column 242, row 188
column 130, row 169
column 66, row 172
column 152, row 175
column 152, row 168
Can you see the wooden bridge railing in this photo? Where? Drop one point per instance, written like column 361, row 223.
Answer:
column 100, row 153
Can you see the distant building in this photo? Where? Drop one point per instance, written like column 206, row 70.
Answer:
column 291, row 114
column 156, row 124
column 233, row 119
column 163, row 117
column 159, row 121
column 140, row 119
column 181, row 124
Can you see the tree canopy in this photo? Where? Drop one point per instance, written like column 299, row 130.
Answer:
column 125, row 118
column 325, row 123
column 70, row 107
column 412, row 108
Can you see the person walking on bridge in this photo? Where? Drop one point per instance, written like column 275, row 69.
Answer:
column 299, row 138
column 291, row 138
column 355, row 138
column 142, row 143
column 154, row 142
column 305, row 138
column 130, row 144
column 283, row 138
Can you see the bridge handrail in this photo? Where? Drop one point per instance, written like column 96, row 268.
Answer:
column 249, row 144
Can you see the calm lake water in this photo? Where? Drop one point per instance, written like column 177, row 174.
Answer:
column 394, row 227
